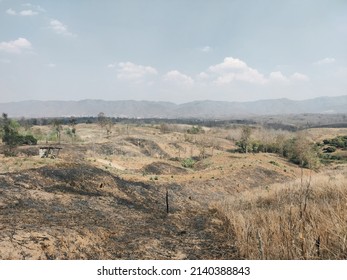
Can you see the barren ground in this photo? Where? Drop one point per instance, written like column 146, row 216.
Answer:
column 104, row 197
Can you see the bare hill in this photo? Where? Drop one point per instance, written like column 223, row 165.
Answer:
column 105, row 197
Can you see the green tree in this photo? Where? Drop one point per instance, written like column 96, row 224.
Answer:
column 11, row 137
column 245, row 139
column 9, row 130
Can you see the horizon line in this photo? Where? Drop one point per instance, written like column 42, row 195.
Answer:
column 162, row 101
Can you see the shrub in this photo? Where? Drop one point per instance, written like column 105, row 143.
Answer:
column 338, row 142
column 195, row 130
column 27, row 140
column 301, row 151
column 329, row 149
column 244, row 144
column 11, row 136
column 188, row 163
column 274, row 163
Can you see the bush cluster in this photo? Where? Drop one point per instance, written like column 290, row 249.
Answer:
column 10, row 135
column 337, row 142
column 18, row 139
column 297, row 149
column 195, row 130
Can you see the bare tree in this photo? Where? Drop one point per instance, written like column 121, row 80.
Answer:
column 302, row 151
column 105, row 123
column 57, row 128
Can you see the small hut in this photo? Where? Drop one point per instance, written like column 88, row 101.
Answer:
column 49, row 152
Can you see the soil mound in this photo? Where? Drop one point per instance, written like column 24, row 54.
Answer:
column 110, row 149
column 260, row 177
column 148, row 147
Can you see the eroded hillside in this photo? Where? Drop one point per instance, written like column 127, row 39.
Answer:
column 105, row 197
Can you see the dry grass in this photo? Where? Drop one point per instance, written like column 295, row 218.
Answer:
column 119, row 211
column 302, row 220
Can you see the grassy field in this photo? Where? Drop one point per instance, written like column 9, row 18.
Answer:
column 105, row 197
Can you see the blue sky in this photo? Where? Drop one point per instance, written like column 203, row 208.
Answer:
column 233, row 50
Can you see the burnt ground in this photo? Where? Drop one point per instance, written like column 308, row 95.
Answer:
column 77, row 211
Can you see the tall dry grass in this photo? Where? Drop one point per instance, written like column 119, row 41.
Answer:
column 306, row 219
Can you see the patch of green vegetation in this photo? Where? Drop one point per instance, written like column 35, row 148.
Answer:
column 298, row 149
column 328, row 158
column 274, row 163
column 188, row 163
column 337, row 142
column 329, row 149
column 195, row 130
column 10, row 135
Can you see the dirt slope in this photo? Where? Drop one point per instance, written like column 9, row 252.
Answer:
column 82, row 212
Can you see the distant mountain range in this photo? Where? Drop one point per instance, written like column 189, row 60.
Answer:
column 197, row 109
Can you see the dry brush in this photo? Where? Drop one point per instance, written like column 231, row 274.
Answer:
column 300, row 220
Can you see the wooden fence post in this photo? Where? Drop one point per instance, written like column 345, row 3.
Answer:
column 167, row 200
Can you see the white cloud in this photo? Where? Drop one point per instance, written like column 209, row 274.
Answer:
column 129, row 71
column 206, row 49
column 278, row 77
column 36, row 7
column 59, row 27
column 327, row 60
column 202, row 76
column 11, row 12
column 230, row 72
column 178, row 78
column 16, row 46
column 299, row 77
column 234, row 69
column 51, row 65
column 228, row 64
column 28, row 13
